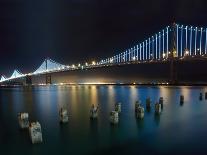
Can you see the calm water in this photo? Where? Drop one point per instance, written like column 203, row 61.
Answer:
column 179, row 129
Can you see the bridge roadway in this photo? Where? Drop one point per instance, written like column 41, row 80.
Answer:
column 150, row 71
column 176, row 53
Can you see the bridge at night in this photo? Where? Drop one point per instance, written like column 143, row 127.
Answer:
column 173, row 44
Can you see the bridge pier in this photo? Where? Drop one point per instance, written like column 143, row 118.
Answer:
column 48, row 79
column 28, row 80
column 173, row 72
column 172, row 56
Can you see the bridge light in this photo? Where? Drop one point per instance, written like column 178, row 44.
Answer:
column 163, row 55
column 134, row 58
column 186, row 53
column 93, row 63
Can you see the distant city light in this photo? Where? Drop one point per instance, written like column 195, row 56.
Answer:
column 93, row 63
column 186, row 53
column 163, row 55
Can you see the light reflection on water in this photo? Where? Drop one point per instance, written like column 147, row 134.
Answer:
column 176, row 126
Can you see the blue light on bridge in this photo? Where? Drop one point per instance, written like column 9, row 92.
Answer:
column 191, row 33
column 201, row 40
column 186, row 37
column 163, row 41
column 154, row 48
column 167, row 40
column 206, row 42
column 196, row 30
column 181, row 40
column 177, row 49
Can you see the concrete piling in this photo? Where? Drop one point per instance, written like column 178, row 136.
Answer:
column 23, row 119
column 93, row 112
column 35, row 132
column 63, row 115
column 114, row 117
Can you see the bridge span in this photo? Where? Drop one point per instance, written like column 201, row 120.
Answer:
column 175, row 54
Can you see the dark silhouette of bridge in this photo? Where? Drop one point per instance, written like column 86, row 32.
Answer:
column 172, row 44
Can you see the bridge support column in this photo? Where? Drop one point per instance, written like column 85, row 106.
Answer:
column 172, row 56
column 28, row 80
column 48, row 79
column 173, row 72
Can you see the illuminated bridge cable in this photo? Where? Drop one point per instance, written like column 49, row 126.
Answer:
column 181, row 42
column 186, row 37
column 135, row 53
column 3, row 78
column 201, row 40
column 196, row 30
column 177, row 49
column 149, row 49
column 144, row 50
column 49, row 65
column 153, row 46
column 140, row 52
column 163, row 42
column 16, row 74
column 191, row 33
column 159, row 46
column 206, row 42
column 167, row 40
column 156, row 46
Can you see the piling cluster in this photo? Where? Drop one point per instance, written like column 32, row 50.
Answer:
column 35, row 130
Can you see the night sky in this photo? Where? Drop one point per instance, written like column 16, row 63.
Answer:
column 73, row 31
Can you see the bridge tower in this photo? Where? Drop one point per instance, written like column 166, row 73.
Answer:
column 48, row 78
column 172, row 56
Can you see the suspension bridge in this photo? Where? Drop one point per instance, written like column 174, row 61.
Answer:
column 172, row 44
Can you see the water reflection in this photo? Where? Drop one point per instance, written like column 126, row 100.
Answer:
column 140, row 123
column 157, row 119
column 94, row 95
column 111, row 97
column 43, row 104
